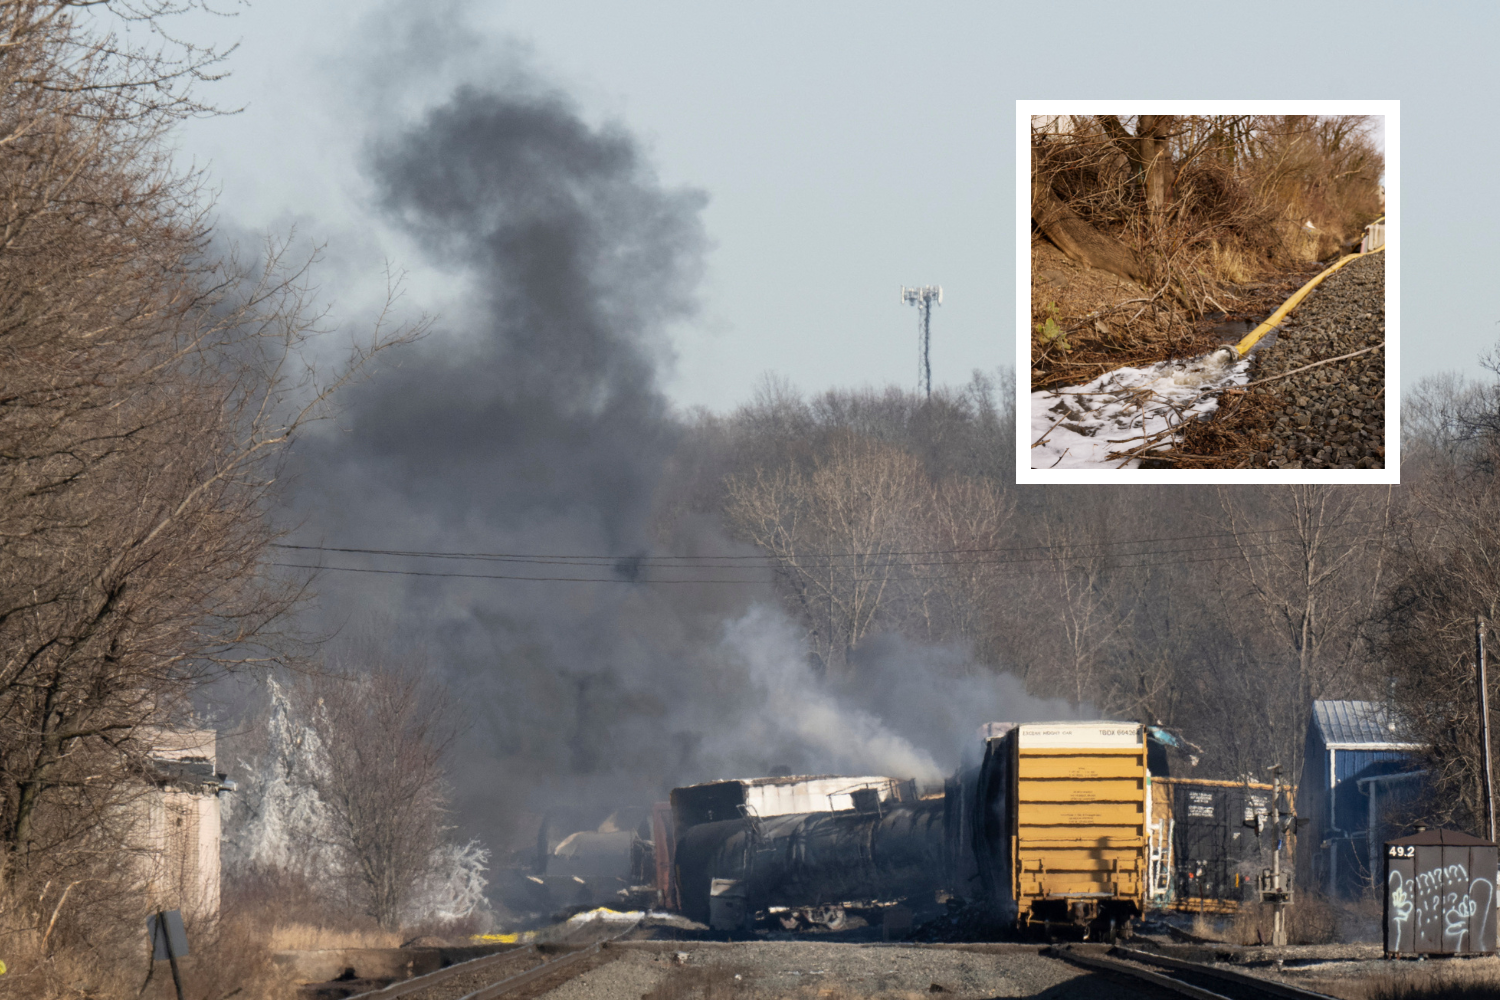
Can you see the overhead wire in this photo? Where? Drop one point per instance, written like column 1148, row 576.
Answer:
column 876, row 567
column 1072, row 549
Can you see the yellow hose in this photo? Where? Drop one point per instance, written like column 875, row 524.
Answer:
column 1276, row 317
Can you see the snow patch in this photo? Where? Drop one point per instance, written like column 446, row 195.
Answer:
column 605, row 915
column 1128, row 410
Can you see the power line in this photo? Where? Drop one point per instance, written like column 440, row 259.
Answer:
column 495, row 576
column 1071, row 549
column 995, row 567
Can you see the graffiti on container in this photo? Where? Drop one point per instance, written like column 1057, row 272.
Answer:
column 1434, row 899
column 1401, row 906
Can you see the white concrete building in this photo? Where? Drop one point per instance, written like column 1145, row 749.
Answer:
column 178, row 833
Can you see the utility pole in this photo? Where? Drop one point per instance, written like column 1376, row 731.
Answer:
column 924, row 298
column 1484, row 729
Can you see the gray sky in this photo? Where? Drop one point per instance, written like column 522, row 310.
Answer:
column 846, row 149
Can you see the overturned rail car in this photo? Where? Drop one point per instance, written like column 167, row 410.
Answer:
column 813, row 859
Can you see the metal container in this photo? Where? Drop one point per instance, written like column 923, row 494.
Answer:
column 727, row 910
column 1440, row 894
column 1060, row 826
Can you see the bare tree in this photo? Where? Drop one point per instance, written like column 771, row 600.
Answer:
column 1309, row 573
column 1149, row 155
column 1445, row 571
column 383, row 732
column 837, row 534
column 960, row 590
column 146, row 394
column 1077, row 597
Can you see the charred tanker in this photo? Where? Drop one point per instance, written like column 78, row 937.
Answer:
column 813, row 859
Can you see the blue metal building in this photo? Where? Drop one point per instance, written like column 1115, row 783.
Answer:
column 1355, row 749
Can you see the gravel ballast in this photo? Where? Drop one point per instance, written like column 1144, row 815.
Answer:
column 777, row 969
column 1331, row 416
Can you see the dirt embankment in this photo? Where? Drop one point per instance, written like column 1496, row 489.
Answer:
column 1103, row 322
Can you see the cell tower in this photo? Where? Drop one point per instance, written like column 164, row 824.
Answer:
column 924, row 298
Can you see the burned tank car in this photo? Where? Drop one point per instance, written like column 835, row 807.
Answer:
column 1058, row 823
column 813, row 859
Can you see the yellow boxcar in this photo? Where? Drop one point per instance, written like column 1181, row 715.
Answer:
column 1062, row 834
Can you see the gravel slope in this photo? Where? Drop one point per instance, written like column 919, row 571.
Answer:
column 787, row 969
column 1332, row 416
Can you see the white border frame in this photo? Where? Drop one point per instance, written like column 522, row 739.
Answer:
column 1025, row 474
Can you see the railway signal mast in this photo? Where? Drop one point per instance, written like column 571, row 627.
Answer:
column 1274, row 888
column 924, row 298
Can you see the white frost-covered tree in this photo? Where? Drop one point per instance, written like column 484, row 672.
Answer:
column 275, row 820
column 346, row 791
column 454, row 889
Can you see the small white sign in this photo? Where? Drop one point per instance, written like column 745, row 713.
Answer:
column 1085, row 735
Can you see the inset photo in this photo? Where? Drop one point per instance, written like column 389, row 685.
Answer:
column 1207, row 291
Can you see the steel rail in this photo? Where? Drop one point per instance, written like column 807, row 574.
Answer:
column 1228, row 975
column 1243, row 981
column 505, row 986
column 406, row 987
column 1105, row 965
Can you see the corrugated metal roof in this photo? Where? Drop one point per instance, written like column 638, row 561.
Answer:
column 1358, row 723
column 1447, row 838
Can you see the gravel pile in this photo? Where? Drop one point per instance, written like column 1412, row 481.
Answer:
column 1332, row 416
column 776, row 969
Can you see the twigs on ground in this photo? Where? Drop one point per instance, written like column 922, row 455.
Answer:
column 1315, row 364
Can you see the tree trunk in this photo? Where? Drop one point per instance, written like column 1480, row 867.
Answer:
column 1076, row 238
column 1147, row 152
column 1155, row 164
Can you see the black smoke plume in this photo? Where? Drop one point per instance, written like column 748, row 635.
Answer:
column 531, row 420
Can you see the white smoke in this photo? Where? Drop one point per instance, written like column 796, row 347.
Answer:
column 793, row 710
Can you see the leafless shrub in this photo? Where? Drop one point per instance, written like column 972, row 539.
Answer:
column 1312, row 919
column 383, row 731
column 1467, row 980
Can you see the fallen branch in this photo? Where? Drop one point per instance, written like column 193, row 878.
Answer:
column 55, row 911
column 1216, row 302
column 1049, row 430
column 1326, row 361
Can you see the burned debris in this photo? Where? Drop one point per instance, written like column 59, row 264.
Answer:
column 1077, row 828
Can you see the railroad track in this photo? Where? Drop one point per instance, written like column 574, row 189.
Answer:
column 513, row 972
column 1193, row 979
column 492, row 976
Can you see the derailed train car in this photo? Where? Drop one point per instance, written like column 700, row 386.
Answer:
column 1048, row 826
column 1211, row 841
column 812, row 859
